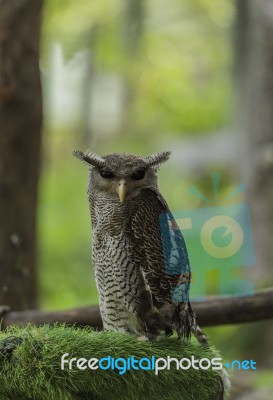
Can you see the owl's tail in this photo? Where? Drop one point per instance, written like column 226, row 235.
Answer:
column 196, row 330
column 224, row 382
column 186, row 323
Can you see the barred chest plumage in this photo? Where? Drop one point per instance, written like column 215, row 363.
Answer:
column 110, row 250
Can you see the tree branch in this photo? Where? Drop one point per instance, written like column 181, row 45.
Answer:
column 215, row 310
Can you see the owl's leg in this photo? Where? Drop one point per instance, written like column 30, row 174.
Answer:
column 182, row 317
column 170, row 315
column 176, row 315
column 168, row 330
column 166, row 312
column 152, row 323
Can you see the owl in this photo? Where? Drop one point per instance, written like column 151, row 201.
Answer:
column 139, row 255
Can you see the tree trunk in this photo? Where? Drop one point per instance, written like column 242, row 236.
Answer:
column 133, row 25
column 256, row 123
column 256, row 101
column 20, row 142
column 132, row 31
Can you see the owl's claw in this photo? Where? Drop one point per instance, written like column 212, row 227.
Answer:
column 143, row 338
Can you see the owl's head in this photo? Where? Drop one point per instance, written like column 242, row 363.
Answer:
column 121, row 176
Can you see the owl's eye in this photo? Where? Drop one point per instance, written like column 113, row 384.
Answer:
column 106, row 174
column 138, row 174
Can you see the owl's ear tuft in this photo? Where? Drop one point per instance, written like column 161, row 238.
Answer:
column 155, row 160
column 89, row 158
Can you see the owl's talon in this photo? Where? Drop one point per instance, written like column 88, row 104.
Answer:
column 143, row 338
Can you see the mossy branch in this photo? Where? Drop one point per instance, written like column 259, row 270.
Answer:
column 30, row 367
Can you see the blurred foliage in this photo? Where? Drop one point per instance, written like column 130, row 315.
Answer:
column 178, row 77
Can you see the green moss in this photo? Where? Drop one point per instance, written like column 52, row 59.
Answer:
column 31, row 368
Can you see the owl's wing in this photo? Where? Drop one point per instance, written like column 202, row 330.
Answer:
column 160, row 252
column 160, row 249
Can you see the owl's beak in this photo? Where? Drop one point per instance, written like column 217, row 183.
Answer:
column 122, row 190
